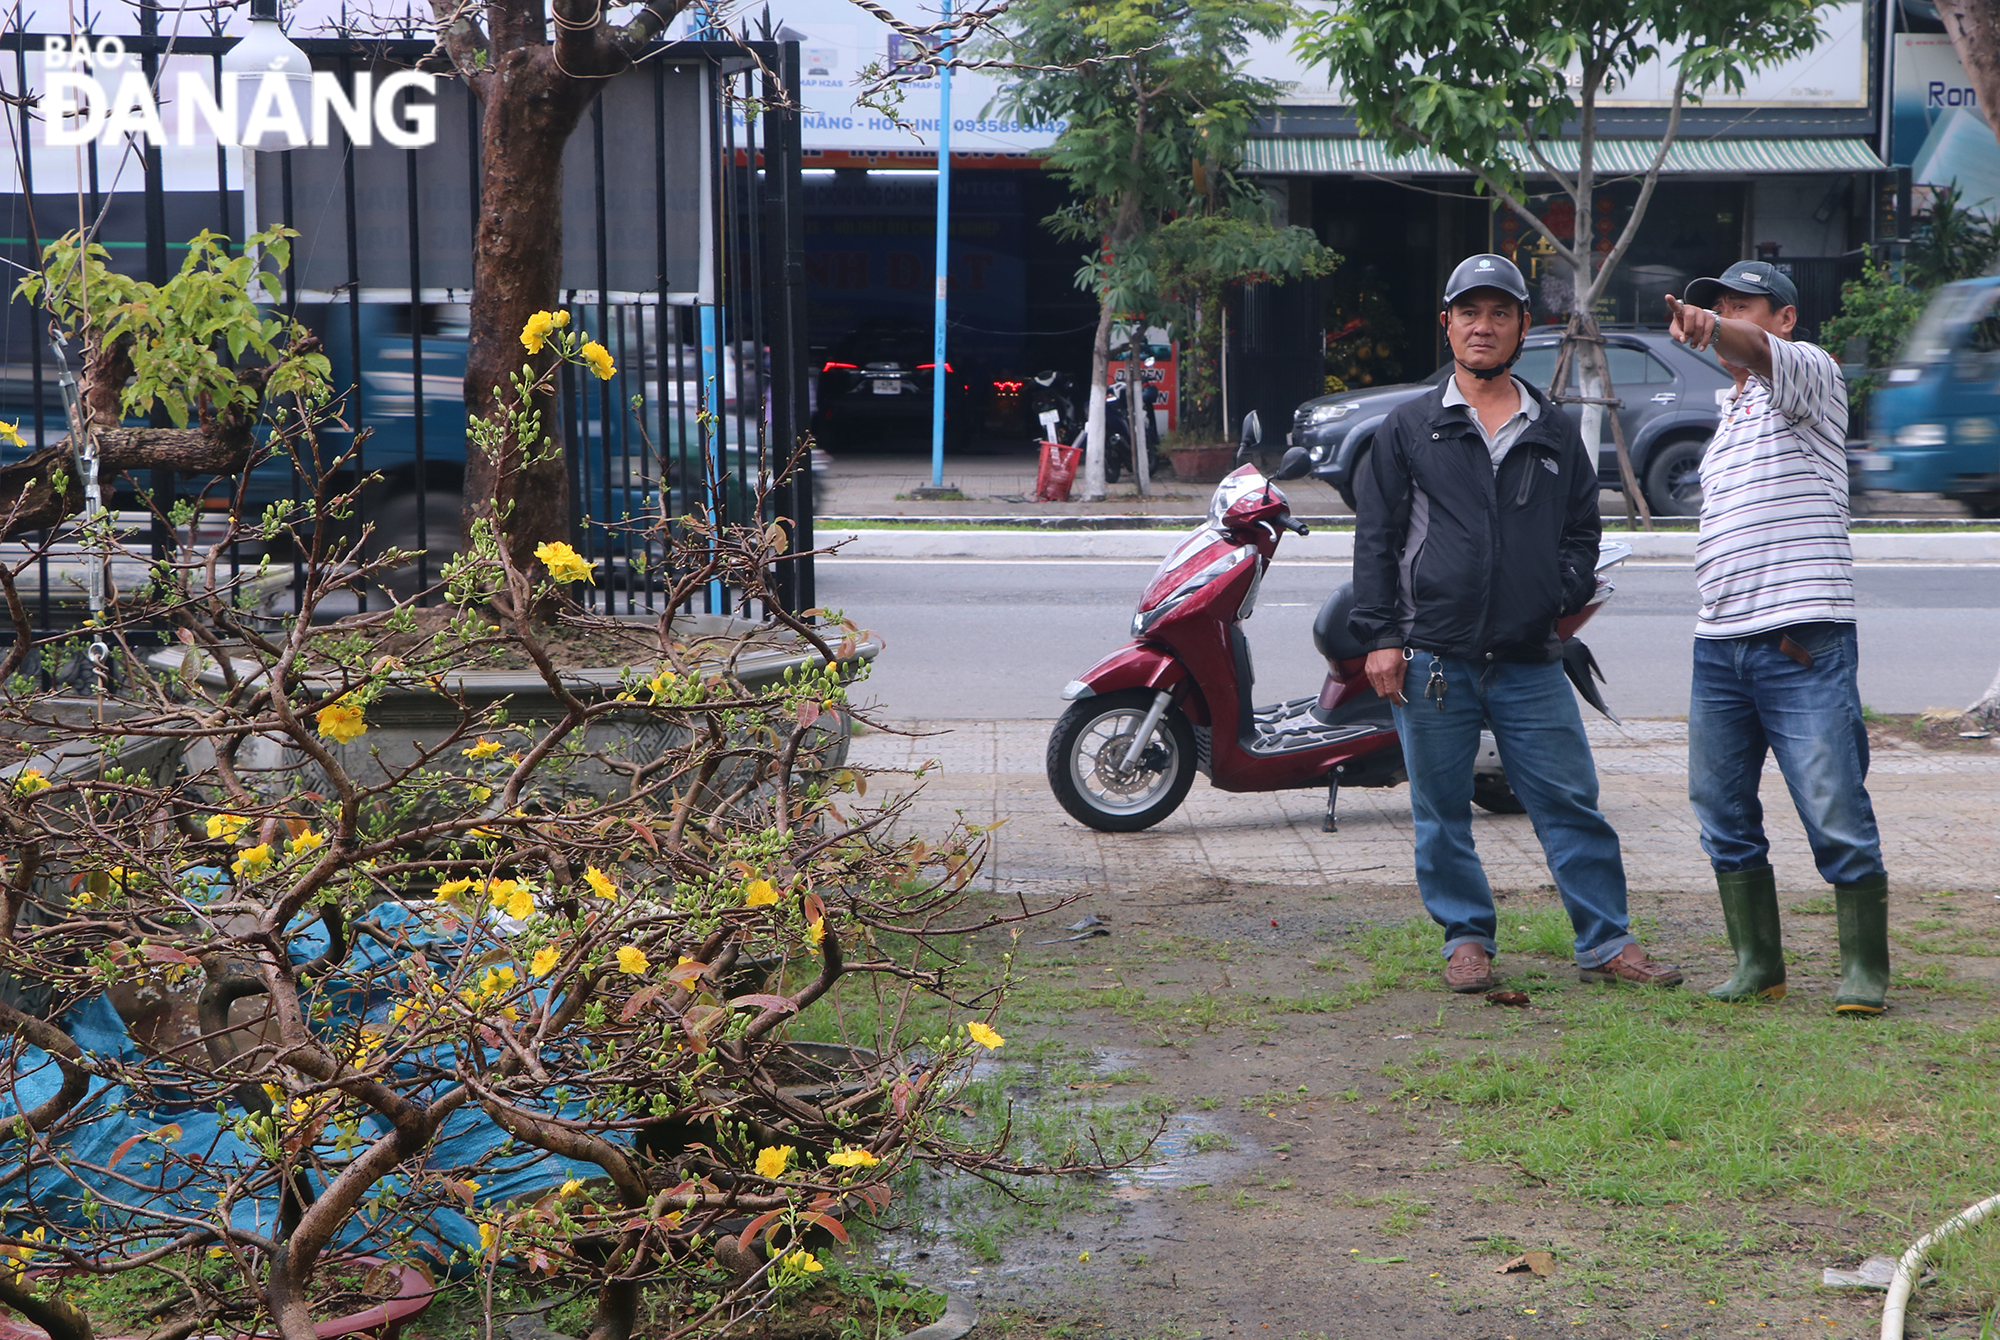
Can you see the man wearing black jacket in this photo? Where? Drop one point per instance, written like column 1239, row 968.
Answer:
column 1476, row 528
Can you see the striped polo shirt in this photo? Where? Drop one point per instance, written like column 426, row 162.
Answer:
column 1773, row 549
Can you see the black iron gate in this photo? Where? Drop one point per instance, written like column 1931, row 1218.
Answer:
column 682, row 253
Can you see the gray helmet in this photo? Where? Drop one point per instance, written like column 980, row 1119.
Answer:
column 1487, row 271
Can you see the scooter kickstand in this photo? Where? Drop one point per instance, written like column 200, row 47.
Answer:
column 1332, row 795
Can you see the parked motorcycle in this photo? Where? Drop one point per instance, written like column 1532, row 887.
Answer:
column 1172, row 702
column 1055, row 393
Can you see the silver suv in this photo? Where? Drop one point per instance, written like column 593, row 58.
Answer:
column 1671, row 407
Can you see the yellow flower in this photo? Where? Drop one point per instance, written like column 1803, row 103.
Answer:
column 544, row 961
column 540, row 326
column 484, row 749
column 489, row 1237
column 253, row 862
column 571, row 1187
column 599, row 359
column 660, row 683
column 341, row 722
column 451, row 888
column 853, row 1158
column 816, row 933
column 307, row 841
column 30, row 781
column 520, row 903
column 983, row 1035
column 599, row 882
column 564, row 563
column 11, row 434
column 803, row 1263
column 226, row 827
column 772, row 1160
column 632, row 960
column 83, row 898
column 759, row 893
column 479, row 793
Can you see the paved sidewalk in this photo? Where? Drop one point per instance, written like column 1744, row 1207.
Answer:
column 1937, row 810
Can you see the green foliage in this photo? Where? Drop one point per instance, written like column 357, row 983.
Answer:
column 1477, row 81
column 1488, row 83
column 1156, row 107
column 1953, row 243
column 1879, row 309
column 176, row 334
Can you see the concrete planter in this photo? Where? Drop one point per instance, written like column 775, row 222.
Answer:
column 1202, row 465
column 615, row 751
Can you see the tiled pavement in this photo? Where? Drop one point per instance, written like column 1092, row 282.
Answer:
column 1939, row 812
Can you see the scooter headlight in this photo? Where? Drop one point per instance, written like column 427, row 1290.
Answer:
column 1146, row 618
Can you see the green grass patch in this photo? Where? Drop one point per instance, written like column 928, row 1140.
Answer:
column 1686, row 1100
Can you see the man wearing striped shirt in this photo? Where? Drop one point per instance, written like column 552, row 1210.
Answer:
column 1774, row 649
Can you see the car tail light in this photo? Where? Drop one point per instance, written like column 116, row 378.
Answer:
column 1008, row 388
column 926, row 367
column 840, row 367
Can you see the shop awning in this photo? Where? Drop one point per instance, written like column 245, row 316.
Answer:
column 1340, row 154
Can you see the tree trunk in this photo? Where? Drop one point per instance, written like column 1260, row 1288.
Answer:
column 30, row 501
column 516, row 271
column 1100, row 367
column 1974, row 29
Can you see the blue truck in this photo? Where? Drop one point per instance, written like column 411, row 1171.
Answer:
column 1934, row 423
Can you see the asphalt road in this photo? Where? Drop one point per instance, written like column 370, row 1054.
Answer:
column 979, row 639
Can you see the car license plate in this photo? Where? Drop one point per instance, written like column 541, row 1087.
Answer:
column 889, row 387
column 1874, row 460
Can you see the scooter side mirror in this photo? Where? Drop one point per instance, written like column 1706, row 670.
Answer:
column 1297, row 464
column 1253, row 433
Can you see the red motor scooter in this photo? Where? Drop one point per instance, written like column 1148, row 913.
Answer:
column 1172, row 701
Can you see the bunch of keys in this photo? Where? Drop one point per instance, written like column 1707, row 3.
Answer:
column 1434, row 690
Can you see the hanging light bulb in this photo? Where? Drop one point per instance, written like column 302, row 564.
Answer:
column 272, row 83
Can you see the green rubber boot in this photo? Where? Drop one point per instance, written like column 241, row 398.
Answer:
column 1750, row 911
column 1864, row 945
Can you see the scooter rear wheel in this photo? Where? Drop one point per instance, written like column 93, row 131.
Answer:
column 1087, row 762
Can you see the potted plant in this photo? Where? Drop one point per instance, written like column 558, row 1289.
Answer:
column 488, row 995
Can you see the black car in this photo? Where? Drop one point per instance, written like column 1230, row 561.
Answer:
column 875, row 389
column 1671, row 409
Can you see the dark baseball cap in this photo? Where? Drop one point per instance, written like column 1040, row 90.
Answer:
column 1758, row 277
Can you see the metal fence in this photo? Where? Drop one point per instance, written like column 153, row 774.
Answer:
column 683, row 247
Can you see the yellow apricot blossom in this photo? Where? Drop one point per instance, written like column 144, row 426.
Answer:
column 983, row 1035
column 599, row 882
column 853, row 1158
column 484, row 749
column 451, row 888
column 599, row 359
column 539, row 327
column 564, row 563
column 29, row 781
column 342, row 722
column 226, row 827
column 10, row 433
column 772, row 1160
column 803, row 1263
column 759, row 893
column 253, row 862
column 544, row 961
column 632, row 960
column 307, row 841
column 816, row 933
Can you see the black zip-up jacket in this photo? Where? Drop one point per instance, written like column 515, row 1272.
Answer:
column 1450, row 557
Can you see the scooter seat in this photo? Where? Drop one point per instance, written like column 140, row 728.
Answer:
column 1330, row 633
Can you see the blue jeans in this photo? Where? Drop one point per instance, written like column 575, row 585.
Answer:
column 1749, row 697
column 1532, row 713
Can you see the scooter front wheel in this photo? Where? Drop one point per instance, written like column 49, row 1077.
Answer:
column 1087, row 752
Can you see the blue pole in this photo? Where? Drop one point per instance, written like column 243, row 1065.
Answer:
column 939, row 371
